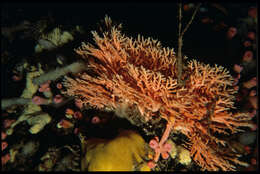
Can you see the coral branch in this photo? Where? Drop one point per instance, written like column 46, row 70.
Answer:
column 13, row 101
column 53, row 75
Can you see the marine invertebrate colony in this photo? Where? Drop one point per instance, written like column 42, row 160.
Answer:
column 141, row 74
column 118, row 154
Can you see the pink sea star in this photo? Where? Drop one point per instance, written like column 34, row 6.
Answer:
column 160, row 147
column 163, row 149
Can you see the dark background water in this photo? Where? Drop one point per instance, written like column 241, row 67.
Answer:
column 157, row 20
column 154, row 19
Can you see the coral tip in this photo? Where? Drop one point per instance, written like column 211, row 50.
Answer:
column 5, row 159
column 95, row 120
column 4, row 145
column 64, row 124
column 69, row 111
column 59, row 85
column 77, row 115
column 151, row 164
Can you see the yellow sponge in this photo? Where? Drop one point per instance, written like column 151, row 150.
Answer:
column 118, row 154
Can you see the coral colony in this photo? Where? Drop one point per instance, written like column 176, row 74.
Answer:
column 141, row 74
column 123, row 109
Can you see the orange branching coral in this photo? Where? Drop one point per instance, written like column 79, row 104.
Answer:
column 141, row 74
